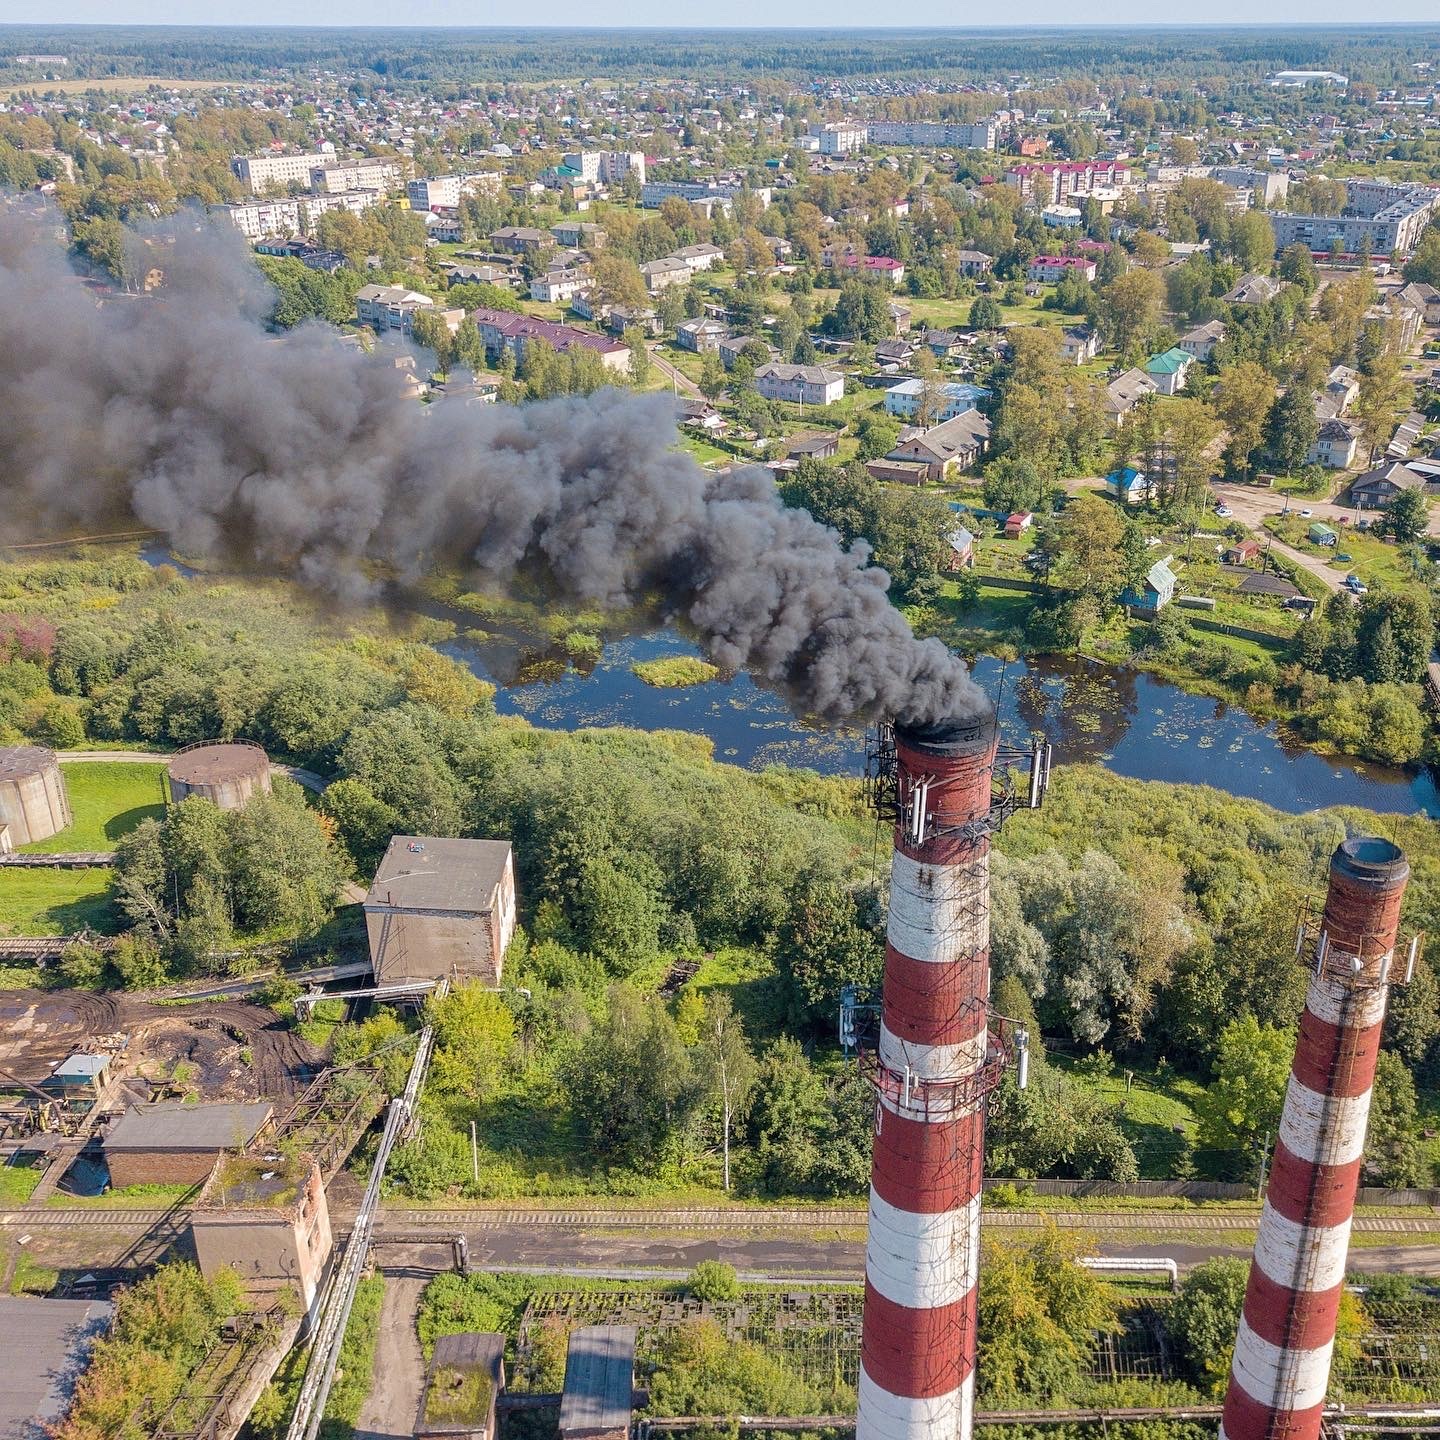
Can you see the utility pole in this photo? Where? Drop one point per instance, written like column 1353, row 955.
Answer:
column 474, row 1153
column 1260, row 1177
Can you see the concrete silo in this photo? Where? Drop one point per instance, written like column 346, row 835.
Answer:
column 33, row 802
column 226, row 773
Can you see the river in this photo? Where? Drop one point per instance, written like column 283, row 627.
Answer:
column 1126, row 720
column 1123, row 719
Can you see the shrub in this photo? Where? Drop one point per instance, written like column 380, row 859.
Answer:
column 714, row 1280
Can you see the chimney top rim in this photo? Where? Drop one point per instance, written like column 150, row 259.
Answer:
column 1371, row 860
column 952, row 736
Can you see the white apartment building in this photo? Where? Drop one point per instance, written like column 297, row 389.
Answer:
column 440, row 193
column 354, row 175
column 392, row 307
column 800, row 384
column 933, row 135
column 839, row 137
column 559, row 285
column 295, row 215
column 606, row 167
column 261, row 172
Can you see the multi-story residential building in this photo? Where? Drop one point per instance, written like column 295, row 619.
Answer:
column 442, row 192
column 558, row 285
column 702, row 336
column 973, row 263
column 955, row 399
column 699, row 257
column 1063, row 217
column 606, row 167
column 1334, row 447
column 264, row 172
column 519, row 239
column 336, row 179
column 933, row 135
column 1051, row 269
column 869, row 266
column 800, row 384
column 578, row 234
column 1391, row 217
column 1268, row 186
column 503, row 330
column 393, row 307
column 297, row 215
column 839, row 137
column 661, row 274
column 1051, row 181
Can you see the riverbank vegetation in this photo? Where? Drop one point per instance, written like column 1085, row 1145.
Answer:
column 674, row 672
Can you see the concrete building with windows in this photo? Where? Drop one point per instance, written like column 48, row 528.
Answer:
column 840, row 137
column 933, row 134
column 955, row 398
column 439, row 192
column 441, row 907
column 394, row 308
column 800, row 384
column 295, row 215
column 1391, row 217
column 336, row 179
column 264, row 172
column 606, row 167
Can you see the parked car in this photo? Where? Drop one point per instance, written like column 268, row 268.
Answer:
column 1343, row 559
column 1306, row 514
column 1354, row 584
column 1224, row 511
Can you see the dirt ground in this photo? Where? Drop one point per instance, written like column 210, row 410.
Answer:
column 399, row 1369
column 224, row 1049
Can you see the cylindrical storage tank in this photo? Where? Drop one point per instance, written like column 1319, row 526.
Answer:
column 33, row 802
column 227, row 774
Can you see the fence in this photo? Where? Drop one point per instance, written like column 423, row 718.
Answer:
column 1197, row 1190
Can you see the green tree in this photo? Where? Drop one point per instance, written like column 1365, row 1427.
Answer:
column 712, row 376
column 1392, row 1145
column 1292, row 428
column 639, row 356
column 1085, row 544
column 1203, row 1318
column 822, row 945
column 1241, row 1107
column 726, row 1060
column 1407, row 516
column 1244, row 396
column 985, row 313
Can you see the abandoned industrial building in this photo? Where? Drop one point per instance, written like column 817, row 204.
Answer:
column 441, row 908
column 171, row 1143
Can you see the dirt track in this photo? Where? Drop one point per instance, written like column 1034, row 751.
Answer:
column 238, row 1050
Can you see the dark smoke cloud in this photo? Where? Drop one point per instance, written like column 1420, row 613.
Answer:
column 301, row 457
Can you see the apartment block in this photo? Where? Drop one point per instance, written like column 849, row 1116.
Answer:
column 262, row 172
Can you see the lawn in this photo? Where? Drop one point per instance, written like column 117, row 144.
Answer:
column 55, row 902
column 1156, row 1110
column 17, row 1182
column 107, row 800
column 705, row 454
column 1375, row 562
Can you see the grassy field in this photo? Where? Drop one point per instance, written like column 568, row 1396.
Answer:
column 107, row 800
column 1154, row 1110
column 705, row 454
column 675, row 671
column 55, row 902
column 17, row 1182
column 1375, row 562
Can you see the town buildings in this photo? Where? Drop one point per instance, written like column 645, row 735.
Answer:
column 800, row 384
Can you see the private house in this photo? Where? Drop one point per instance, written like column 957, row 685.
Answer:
column 1079, row 344
column 1423, row 298
column 1247, row 552
column 1376, row 488
column 700, row 415
column 1334, row 447
column 894, row 352
column 899, row 316
column 954, row 398
column 1129, row 485
column 1018, row 523
column 1253, row 290
column 1126, row 391
column 974, row 263
column 701, row 337
column 1202, row 340
column 962, row 549
column 1167, row 371
column 1155, row 592
column 949, row 448
column 441, row 908
column 800, row 384
column 1051, row 269
column 946, row 344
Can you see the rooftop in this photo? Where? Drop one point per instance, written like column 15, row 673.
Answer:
column 45, row 1344
column 172, row 1125
column 464, row 1378
column 599, row 1380
column 422, row 872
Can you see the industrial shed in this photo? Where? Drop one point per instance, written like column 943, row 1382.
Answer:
column 465, row 1378
column 440, row 907
column 599, row 1383
column 172, row 1143
column 46, row 1346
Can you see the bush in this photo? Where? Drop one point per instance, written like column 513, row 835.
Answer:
column 1203, row 1318
column 714, row 1280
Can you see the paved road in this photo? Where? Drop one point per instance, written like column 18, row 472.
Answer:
column 679, row 378
column 399, row 1368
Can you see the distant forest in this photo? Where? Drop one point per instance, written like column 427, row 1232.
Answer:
column 1378, row 54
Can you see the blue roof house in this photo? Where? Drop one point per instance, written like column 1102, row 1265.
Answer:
column 1129, row 485
column 1155, row 594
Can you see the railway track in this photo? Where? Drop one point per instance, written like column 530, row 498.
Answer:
column 479, row 1221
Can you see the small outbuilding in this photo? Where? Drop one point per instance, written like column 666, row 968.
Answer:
column 1155, row 593
column 464, row 1381
column 599, row 1393
column 1322, row 534
column 171, row 1143
column 1129, row 485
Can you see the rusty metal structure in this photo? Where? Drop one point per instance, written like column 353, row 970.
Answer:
column 935, row 1058
column 1283, row 1348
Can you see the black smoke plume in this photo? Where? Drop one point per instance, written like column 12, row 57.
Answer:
column 299, row 456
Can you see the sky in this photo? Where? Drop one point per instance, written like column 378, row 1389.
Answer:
column 668, row 13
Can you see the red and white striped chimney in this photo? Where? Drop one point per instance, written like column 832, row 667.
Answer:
column 932, row 1068
column 1287, row 1329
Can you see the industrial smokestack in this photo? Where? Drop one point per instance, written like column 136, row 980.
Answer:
column 1287, row 1330
column 933, row 1065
